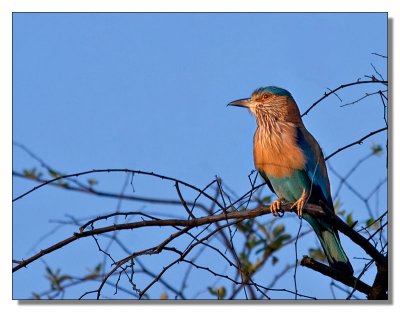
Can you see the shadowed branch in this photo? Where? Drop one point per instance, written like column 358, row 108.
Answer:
column 337, row 275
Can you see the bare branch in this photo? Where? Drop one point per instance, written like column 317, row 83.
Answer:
column 92, row 191
column 359, row 141
column 146, row 173
column 239, row 215
column 363, row 97
column 346, row 279
column 342, row 87
column 183, row 201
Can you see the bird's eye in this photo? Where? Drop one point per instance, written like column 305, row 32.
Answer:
column 265, row 96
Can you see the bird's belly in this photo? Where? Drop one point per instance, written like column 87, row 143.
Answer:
column 290, row 187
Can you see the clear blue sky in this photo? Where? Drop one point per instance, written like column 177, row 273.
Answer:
column 149, row 92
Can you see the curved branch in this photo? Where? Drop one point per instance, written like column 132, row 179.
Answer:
column 82, row 173
column 92, row 191
column 342, row 87
column 359, row 141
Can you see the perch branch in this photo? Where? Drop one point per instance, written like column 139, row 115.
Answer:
column 239, row 215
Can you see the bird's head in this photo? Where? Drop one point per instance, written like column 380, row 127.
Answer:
column 271, row 104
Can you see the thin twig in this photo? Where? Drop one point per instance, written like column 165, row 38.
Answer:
column 342, row 87
column 359, row 141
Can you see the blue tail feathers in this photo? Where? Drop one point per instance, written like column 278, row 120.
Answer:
column 330, row 243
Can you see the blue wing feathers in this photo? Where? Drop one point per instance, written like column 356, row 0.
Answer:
column 315, row 167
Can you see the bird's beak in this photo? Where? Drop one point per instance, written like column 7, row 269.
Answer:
column 241, row 103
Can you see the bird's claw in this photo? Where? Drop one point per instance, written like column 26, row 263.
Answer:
column 276, row 209
column 300, row 203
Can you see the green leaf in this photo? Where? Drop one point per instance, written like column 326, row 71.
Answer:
column 337, row 205
column 275, row 260
column 279, row 229
column 97, row 268
column 275, row 245
column 49, row 271
column 243, row 257
column 91, row 276
column 31, row 174
column 246, row 226
column 36, row 296
column 263, row 230
column 349, row 219
column 266, row 200
column 62, row 184
column 219, row 292
column 252, row 242
column 370, row 221
column 376, row 149
column 92, row 181
column 212, row 291
column 53, row 173
column 245, row 263
column 317, row 254
column 64, row 278
column 260, row 250
column 93, row 273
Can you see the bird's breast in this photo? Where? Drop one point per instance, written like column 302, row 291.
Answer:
column 276, row 151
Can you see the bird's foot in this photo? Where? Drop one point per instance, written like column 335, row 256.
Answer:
column 276, row 209
column 300, row 203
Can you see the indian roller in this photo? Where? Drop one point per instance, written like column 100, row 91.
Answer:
column 291, row 162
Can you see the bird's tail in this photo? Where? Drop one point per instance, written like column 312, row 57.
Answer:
column 330, row 242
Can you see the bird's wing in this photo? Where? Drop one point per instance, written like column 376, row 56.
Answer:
column 267, row 181
column 315, row 167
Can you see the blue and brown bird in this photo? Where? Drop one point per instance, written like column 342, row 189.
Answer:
column 292, row 164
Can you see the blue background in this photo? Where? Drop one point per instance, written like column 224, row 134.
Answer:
column 149, row 92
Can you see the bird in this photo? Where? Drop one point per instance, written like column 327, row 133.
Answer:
column 292, row 164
